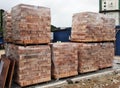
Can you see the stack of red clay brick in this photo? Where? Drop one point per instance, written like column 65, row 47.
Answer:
column 31, row 24
column 92, row 27
column 64, row 59
column 94, row 56
column 33, row 63
column 94, row 34
column 7, row 27
column 29, row 47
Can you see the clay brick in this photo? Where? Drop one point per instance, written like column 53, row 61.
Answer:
column 33, row 63
column 64, row 60
column 31, row 24
column 94, row 56
column 92, row 27
column 7, row 27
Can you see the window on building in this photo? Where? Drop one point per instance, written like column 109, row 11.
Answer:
column 111, row 3
column 104, row 5
column 104, row 2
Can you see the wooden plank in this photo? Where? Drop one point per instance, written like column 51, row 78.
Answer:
column 1, row 66
column 4, row 73
column 92, row 41
column 10, row 73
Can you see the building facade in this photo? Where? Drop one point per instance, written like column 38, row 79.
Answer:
column 111, row 8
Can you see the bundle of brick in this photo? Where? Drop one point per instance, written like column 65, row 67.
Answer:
column 64, row 60
column 31, row 24
column 7, row 27
column 92, row 27
column 93, row 33
column 33, row 63
column 106, row 55
column 94, row 56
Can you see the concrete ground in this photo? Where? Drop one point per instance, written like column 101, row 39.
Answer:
column 106, row 78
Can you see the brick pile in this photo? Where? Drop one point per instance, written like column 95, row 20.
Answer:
column 29, row 47
column 33, row 63
column 7, row 27
column 92, row 27
column 106, row 55
column 31, row 24
column 94, row 34
column 95, row 56
column 64, row 59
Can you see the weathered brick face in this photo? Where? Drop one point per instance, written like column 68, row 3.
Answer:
column 64, row 59
column 95, row 56
column 92, row 27
column 31, row 24
column 33, row 63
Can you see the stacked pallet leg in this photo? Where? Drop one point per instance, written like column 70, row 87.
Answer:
column 94, row 34
column 29, row 46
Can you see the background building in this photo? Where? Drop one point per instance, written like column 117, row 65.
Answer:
column 111, row 8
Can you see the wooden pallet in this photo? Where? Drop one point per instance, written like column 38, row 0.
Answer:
column 29, row 42
column 92, row 41
column 66, row 75
column 88, row 71
column 106, row 66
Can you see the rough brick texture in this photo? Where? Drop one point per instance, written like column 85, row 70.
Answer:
column 64, row 60
column 33, row 63
column 94, row 56
column 7, row 27
column 31, row 24
column 92, row 27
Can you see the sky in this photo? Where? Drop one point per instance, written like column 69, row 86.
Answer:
column 61, row 10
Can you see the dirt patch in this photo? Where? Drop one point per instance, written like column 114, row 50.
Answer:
column 104, row 81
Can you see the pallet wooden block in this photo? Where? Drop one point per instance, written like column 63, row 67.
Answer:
column 64, row 60
column 3, row 75
column 31, row 24
column 92, row 27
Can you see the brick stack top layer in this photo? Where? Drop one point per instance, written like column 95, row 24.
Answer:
column 31, row 24
column 92, row 27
